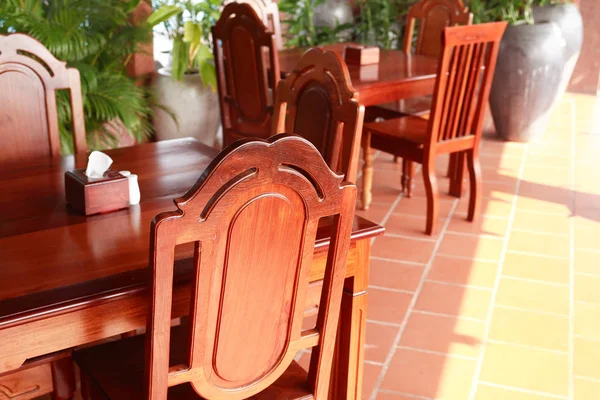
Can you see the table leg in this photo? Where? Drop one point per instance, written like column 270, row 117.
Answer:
column 63, row 379
column 347, row 371
column 367, row 171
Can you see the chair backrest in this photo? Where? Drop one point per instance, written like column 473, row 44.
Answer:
column 268, row 11
column 462, row 88
column 29, row 78
column 253, row 217
column 317, row 101
column 247, row 72
column 433, row 17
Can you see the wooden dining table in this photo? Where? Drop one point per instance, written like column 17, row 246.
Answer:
column 67, row 280
column 396, row 76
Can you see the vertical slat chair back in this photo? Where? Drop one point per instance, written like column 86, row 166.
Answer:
column 433, row 16
column 464, row 80
column 247, row 67
column 29, row 78
column 253, row 217
column 317, row 101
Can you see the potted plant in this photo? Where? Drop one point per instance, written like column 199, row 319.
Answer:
column 315, row 22
column 98, row 38
column 532, row 68
column 186, row 88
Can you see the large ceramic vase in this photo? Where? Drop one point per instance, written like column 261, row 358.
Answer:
column 333, row 12
column 528, row 80
column 568, row 19
column 195, row 109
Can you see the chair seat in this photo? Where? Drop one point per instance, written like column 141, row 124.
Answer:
column 117, row 371
column 409, row 128
column 413, row 106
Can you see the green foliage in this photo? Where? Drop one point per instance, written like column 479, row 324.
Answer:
column 188, row 23
column 381, row 22
column 512, row 11
column 302, row 31
column 97, row 38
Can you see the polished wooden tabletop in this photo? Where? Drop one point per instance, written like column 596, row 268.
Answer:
column 397, row 75
column 51, row 255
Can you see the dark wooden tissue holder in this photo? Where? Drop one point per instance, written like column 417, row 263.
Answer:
column 361, row 55
column 96, row 195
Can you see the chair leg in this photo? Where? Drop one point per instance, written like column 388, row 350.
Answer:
column 404, row 175
column 475, row 184
column 458, row 175
column 367, row 173
column 433, row 196
column 451, row 165
column 63, row 379
column 408, row 172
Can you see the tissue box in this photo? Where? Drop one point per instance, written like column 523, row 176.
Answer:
column 96, row 195
column 361, row 55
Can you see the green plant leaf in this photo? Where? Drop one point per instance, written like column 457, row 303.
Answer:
column 163, row 14
column 192, row 33
column 208, row 75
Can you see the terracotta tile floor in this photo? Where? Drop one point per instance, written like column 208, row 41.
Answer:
column 508, row 307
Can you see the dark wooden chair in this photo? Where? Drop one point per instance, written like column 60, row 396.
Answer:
column 317, row 102
column 268, row 11
column 247, row 67
column 460, row 97
column 253, row 218
column 29, row 78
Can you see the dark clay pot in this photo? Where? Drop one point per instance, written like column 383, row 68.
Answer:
column 527, row 81
column 568, row 19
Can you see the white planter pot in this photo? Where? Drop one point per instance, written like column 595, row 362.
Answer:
column 195, row 106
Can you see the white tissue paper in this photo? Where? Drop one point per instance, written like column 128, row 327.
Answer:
column 98, row 163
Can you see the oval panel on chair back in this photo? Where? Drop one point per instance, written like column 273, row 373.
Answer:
column 247, row 72
column 253, row 218
column 317, row 101
column 29, row 78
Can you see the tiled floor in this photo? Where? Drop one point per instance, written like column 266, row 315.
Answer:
column 506, row 308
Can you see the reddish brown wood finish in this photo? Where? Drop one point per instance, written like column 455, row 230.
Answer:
column 93, row 196
column 317, row 101
column 29, row 79
column 396, row 76
column 252, row 218
column 460, row 98
column 247, row 72
column 53, row 299
column 361, row 55
column 432, row 17
column 268, row 11
column 49, row 374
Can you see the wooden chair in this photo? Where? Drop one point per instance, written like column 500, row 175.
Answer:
column 431, row 16
column 29, row 78
column 268, row 11
column 461, row 93
column 247, row 67
column 317, row 101
column 253, row 218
